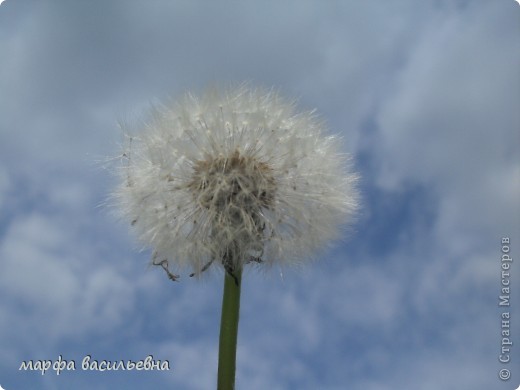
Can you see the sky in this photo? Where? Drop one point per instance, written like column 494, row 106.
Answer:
column 426, row 96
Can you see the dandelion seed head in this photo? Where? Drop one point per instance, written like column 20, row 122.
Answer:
column 234, row 177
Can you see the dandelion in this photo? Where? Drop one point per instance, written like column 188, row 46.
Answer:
column 232, row 178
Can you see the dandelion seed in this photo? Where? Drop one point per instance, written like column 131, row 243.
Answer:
column 235, row 177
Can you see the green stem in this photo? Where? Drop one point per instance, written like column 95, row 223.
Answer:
column 229, row 331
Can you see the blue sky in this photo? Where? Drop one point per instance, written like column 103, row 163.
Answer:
column 426, row 95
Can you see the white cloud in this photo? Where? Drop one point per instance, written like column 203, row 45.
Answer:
column 54, row 290
column 452, row 113
column 452, row 124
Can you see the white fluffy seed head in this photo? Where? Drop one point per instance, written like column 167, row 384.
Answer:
column 234, row 177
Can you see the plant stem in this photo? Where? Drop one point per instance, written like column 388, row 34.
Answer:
column 229, row 330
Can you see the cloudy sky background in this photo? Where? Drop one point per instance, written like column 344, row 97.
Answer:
column 426, row 95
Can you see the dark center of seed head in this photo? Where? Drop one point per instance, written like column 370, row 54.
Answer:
column 232, row 183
